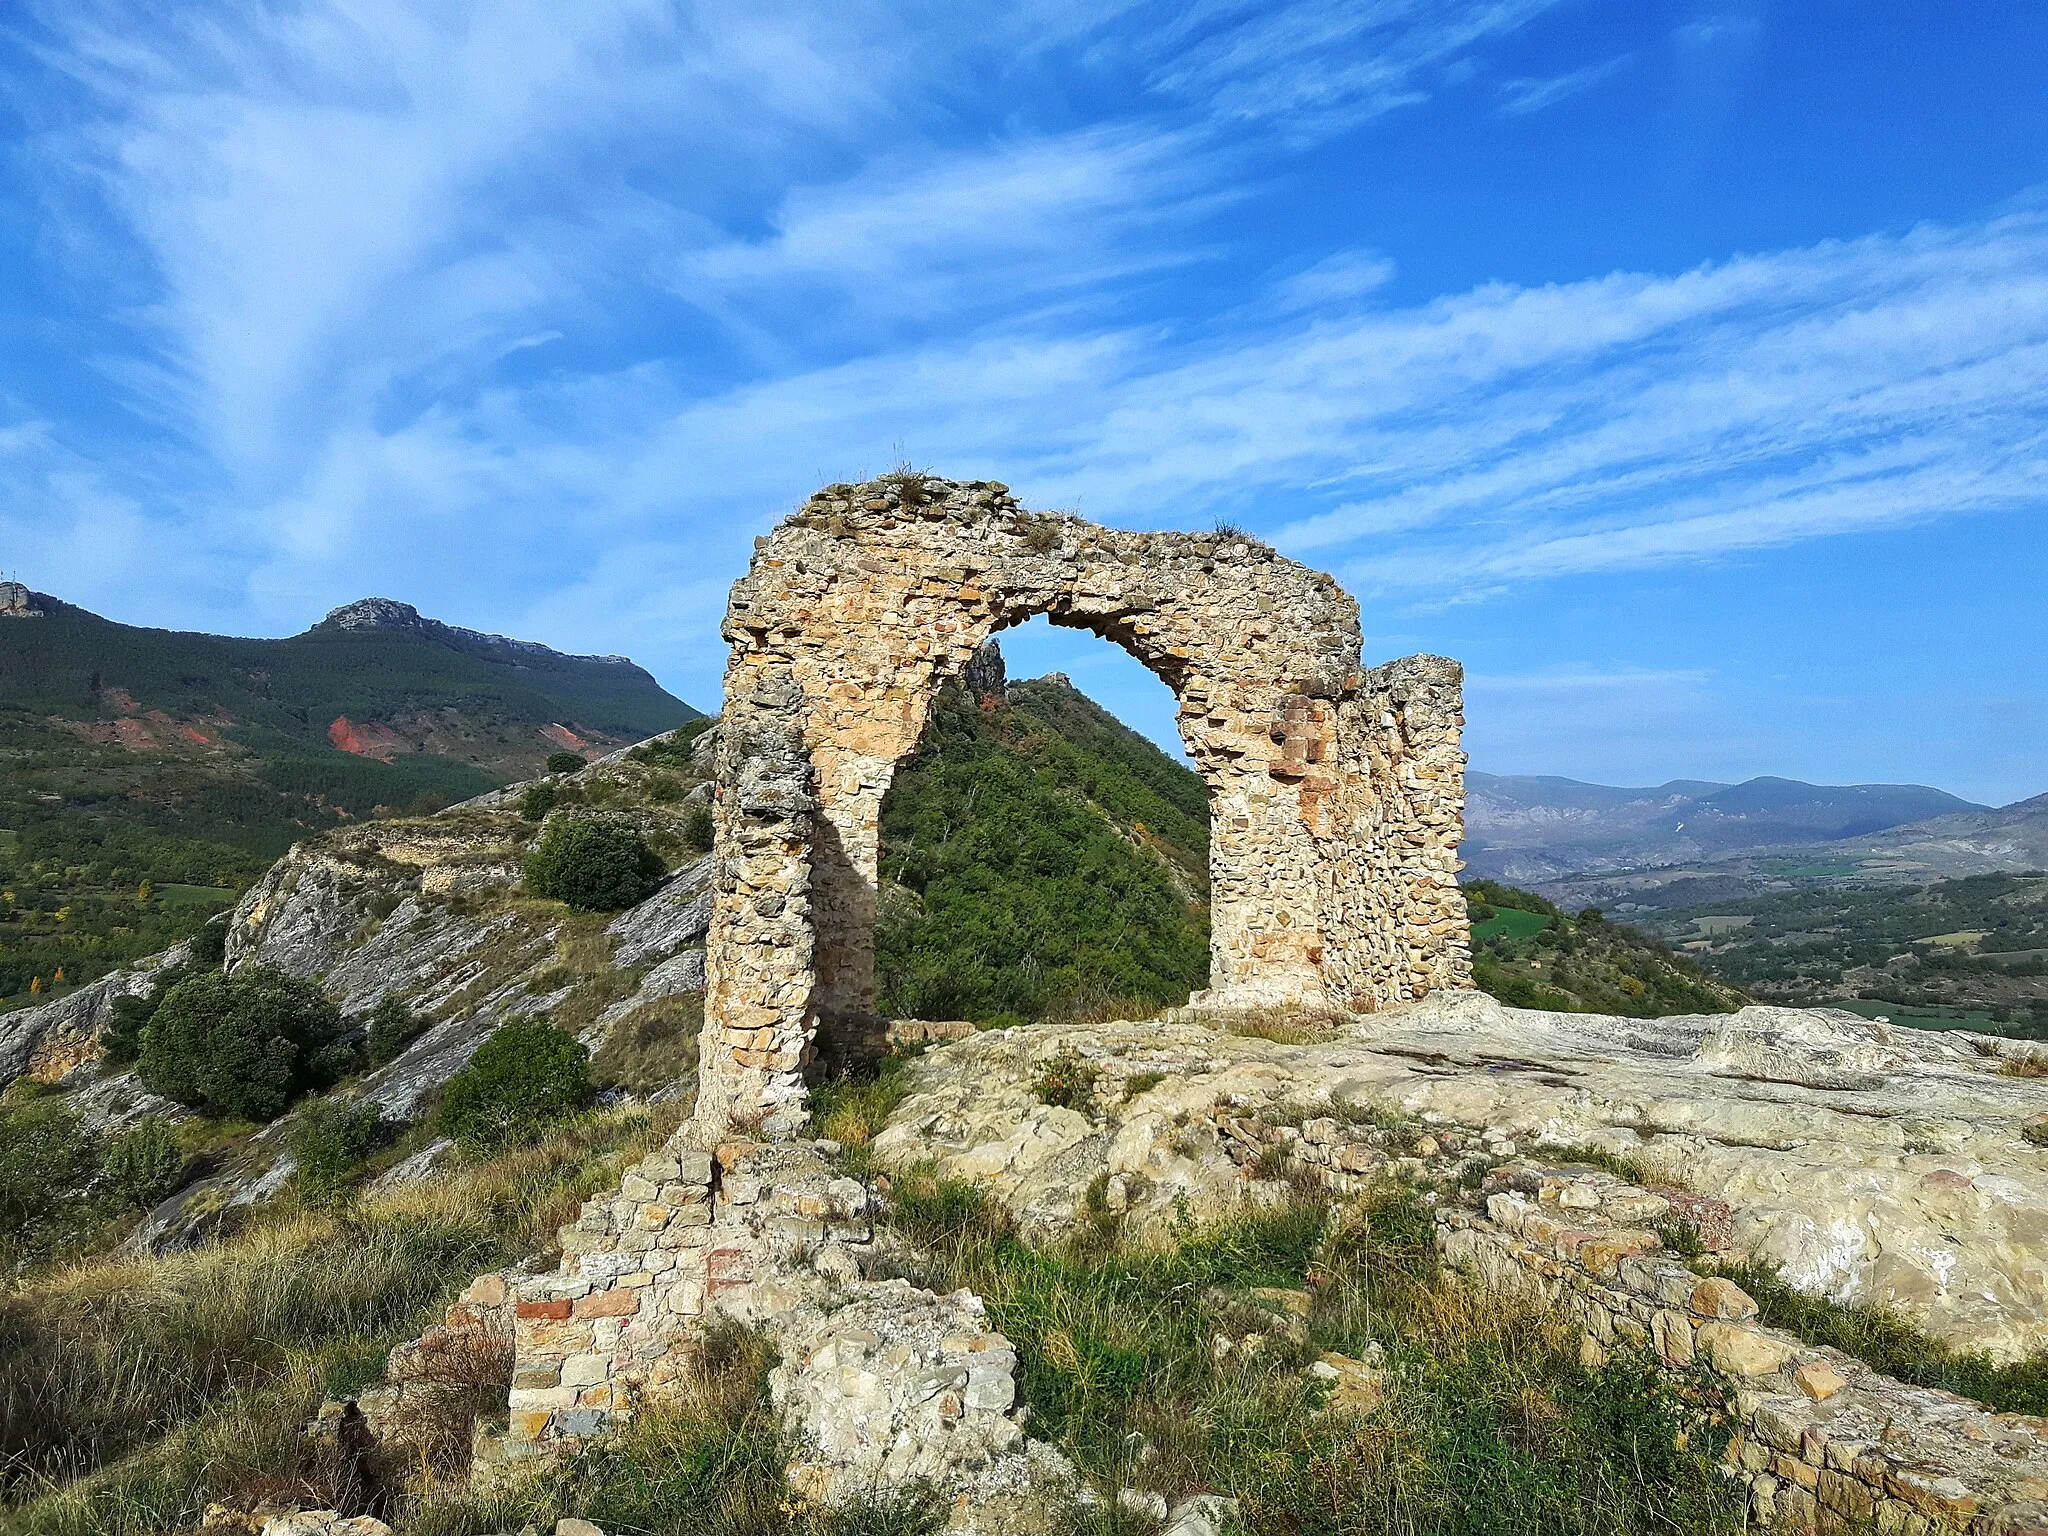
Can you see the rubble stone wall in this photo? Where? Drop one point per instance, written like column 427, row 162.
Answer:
column 1336, row 792
column 1825, row 1442
column 881, row 1383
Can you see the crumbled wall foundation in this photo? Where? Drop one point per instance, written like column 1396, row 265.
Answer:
column 1826, row 1442
column 880, row 1383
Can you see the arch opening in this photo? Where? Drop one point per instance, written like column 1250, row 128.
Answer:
column 1040, row 859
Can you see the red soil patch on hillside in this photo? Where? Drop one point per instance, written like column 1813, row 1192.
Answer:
column 370, row 739
column 561, row 735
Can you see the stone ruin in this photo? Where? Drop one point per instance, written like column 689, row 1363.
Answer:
column 1336, row 796
column 1336, row 791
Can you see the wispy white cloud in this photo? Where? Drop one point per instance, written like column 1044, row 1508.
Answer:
column 957, row 235
column 542, row 313
column 1586, row 680
column 1316, row 66
column 1522, row 96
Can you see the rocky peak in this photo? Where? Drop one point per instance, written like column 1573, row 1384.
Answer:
column 386, row 613
column 378, row 613
column 17, row 602
column 985, row 674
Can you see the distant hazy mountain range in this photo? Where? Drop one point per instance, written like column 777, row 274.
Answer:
column 1574, row 838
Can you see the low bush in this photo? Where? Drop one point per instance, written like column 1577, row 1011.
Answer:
column 593, row 863
column 145, row 1164
column 1067, row 1081
column 210, row 943
column 393, row 1026
column 565, row 762
column 523, row 1079
column 698, row 831
column 131, row 1014
column 244, row 1044
column 538, row 800
column 47, row 1164
column 330, row 1141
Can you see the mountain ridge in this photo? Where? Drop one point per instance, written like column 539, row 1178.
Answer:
column 376, row 661
column 1544, row 828
column 388, row 613
column 147, row 775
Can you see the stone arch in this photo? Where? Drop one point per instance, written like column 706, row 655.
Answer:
column 1336, row 792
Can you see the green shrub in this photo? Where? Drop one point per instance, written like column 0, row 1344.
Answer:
column 538, row 800
column 244, row 1045
column 123, row 1040
column 393, row 1026
column 565, row 762
column 330, row 1142
column 1067, row 1082
column 1494, row 894
column 210, row 943
column 592, row 862
column 698, row 831
column 144, row 1164
column 47, row 1162
column 525, row 1076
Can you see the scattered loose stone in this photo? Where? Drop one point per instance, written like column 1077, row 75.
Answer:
column 324, row 1522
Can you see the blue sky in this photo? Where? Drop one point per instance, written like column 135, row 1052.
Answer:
column 1681, row 369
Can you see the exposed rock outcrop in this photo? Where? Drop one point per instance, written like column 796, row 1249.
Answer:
column 429, row 911
column 1916, row 1187
column 51, row 1042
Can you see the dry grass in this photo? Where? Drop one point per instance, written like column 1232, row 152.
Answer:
column 853, row 1108
column 707, row 1460
column 1288, row 1026
column 2029, row 1065
column 133, row 1392
column 1490, row 1424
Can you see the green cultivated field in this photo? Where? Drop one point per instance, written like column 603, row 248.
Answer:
column 1508, row 923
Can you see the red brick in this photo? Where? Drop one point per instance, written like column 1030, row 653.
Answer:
column 615, row 1303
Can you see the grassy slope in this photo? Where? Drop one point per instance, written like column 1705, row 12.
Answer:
column 1042, row 858
column 1525, row 952
column 133, row 1393
column 1047, row 859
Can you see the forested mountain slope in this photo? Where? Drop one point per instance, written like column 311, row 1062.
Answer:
column 147, row 775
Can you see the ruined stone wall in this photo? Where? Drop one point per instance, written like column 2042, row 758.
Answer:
column 1336, row 795
column 1390, row 858
column 1824, row 1442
